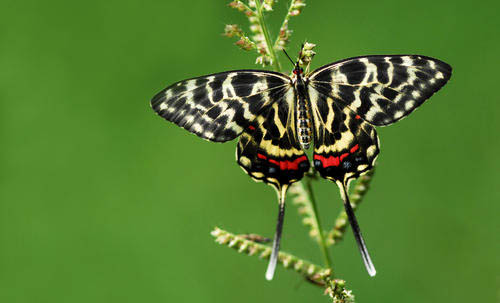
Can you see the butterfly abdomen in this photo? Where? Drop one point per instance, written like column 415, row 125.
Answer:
column 303, row 118
column 303, row 124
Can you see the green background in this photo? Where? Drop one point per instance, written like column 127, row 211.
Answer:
column 103, row 201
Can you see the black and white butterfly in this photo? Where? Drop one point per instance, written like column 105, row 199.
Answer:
column 277, row 117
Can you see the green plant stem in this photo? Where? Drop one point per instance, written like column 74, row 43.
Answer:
column 246, row 6
column 308, row 186
column 311, row 271
column 287, row 17
column 321, row 238
column 269, row 44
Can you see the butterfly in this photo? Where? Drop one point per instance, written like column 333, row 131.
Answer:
column 277, row 117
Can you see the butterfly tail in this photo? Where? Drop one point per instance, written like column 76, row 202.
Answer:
column 357, row 232
column 271, row 267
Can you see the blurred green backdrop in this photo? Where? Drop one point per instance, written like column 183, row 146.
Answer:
column 103, row 201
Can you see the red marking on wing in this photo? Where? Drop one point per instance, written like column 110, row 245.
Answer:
column 328, row 161
column 274, row 162
column 335, row 160
column 357, row 117
column 342, row 157
column 294, row 165
column 285, row 164
column 251, row 127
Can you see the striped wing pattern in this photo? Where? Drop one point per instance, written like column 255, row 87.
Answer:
column 268, row 149
column 351, row 96
column 381, row 89
column 219, row 107
column 345, row 146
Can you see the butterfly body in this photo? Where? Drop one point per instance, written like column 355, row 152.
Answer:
column 304, row 125
column 336, row 108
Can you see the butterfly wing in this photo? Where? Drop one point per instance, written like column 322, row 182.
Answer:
column 381, row 89
column 268, row 151
column 220, row 106
column 345, row 146
column 348, row 98
column 258, row 105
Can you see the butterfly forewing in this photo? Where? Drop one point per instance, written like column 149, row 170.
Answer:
column 381, row 89
column 219, row 107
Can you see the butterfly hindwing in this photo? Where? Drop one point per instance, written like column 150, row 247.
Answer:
column 219, row 107
column 268, row 149
column 345, row 146
column 381, row 89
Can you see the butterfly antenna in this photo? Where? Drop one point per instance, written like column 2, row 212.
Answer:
column 293, row 63
column 271, row 267
column 300, row 52
column 357, row 232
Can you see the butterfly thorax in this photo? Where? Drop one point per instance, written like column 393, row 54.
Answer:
column 303, row 112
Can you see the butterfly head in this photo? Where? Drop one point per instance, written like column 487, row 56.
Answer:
column 298, row 70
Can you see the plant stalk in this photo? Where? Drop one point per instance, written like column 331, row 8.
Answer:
column 308, row 186
column 287, row 17
column 321, row 238
column 269, row 44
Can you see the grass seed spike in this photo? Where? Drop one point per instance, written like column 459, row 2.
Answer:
column 277, row 117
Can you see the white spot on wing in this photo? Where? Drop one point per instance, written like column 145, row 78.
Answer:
column 256, row 174
column 371, row 69
column 407, row 61
column 227, row 86
column 371, row 113
column 197, row 128
column 188, row 119
column 208, row 135
column 390, row 70
column 357, row 100
column 209, row 89
column 370, row 151
column 168, row 94
column 191, row 84
column 409, row 105
column 245, row 161
column 362, row 167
